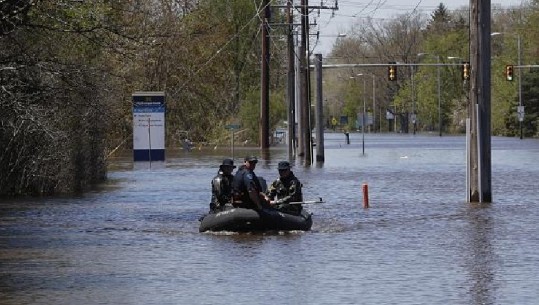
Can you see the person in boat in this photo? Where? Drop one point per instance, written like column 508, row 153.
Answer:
column 221, row 186
column 285, row 189
column 247, row 188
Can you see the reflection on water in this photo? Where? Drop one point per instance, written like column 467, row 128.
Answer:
column 480, row 255
column 135, row 240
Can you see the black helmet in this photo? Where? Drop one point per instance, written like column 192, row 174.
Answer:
column 283, row 165
column 228, row 162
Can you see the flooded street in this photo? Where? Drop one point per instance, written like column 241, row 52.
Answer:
column 135, row 240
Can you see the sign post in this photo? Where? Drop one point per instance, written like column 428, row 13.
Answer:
column 148, row 126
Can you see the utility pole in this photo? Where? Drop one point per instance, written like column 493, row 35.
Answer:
column 363, row 123
column 291, row 92
column 298, row 77
column 306, row 79
column 479, row 145
column 264, row 99
column 304, row 68
column 319, row 110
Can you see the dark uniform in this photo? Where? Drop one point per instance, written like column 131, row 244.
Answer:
column 245, row 181
column 286, row 189
column 221, row 186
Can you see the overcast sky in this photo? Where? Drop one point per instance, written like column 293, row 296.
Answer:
column 331, row 24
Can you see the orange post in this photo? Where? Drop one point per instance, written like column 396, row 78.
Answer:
column 365, row 189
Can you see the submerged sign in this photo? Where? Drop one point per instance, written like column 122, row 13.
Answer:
column 149, row 126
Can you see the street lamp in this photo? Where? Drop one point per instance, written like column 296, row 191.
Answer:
column 338, row 35
column 519, row 78
column 439, row 90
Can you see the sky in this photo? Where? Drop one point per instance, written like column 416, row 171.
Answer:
column 330, row 24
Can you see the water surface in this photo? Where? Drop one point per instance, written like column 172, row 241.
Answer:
column 136, row 241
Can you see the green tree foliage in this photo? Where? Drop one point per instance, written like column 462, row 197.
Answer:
column 210, row 85
column 442, row 38
column 530, row 101
column 446, row 42
column 250, row 113
column 68, row 69
column 353, row 101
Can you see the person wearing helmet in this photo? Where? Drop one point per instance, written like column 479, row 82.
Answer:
column 285, row 189
column 221, row 186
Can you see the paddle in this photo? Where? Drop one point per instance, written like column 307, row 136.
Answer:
column 308, row 202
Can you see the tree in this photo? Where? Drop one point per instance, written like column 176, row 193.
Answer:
column 54, row 106
column 440, row 19
column 530, row 100
column 384, row 41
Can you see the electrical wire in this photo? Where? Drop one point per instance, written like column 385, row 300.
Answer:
column 212, row 58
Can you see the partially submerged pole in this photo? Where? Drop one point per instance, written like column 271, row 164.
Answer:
column 365, row 189
column 264, row 99
column 479, row 104
column 319, row 110
column 291, row 92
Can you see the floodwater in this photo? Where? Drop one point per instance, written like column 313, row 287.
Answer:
column 136, row 241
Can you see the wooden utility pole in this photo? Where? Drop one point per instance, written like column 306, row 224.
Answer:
column 291, row 92
column 302, row 71
column 264, row 99
column 305, row 104
column 479, row 146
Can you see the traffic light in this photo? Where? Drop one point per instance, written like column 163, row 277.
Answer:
column 465, row 70
column 392, row 71
column 509, row 72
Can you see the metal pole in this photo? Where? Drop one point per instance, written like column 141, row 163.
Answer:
column 308, row 137
column 298, row 123
column 439, row 96
column 363, row 125
column 319, row 110
column 150, row 142
column 373, row 104
column 413, row 100
column 519, row 82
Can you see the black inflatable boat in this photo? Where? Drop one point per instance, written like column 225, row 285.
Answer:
column 247, row 220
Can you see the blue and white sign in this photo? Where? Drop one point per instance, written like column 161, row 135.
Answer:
column 149, row 126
